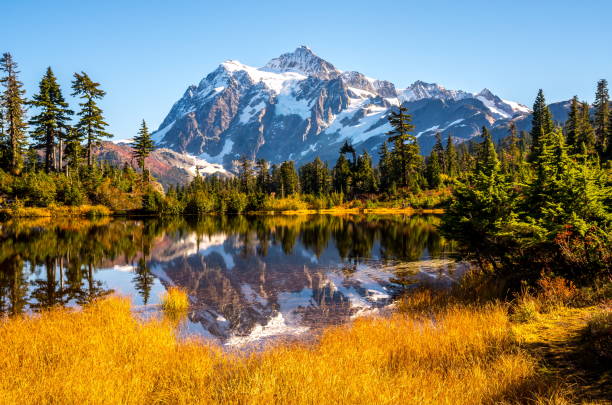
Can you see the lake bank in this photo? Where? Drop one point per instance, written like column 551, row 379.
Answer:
column 100, row 211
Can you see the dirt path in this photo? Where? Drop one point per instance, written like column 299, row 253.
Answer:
column 557, row 339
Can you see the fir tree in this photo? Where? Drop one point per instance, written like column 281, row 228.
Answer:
column 142, row 147
column 263, row 180
column 451, row 158
column 365, row 178
column 405, row 147
column 288, row 179
column 246, row 174
column 572, row 125
column 439, row 149
column 91, row 123
column 585, row 135
column 602, row 115
column 50, row 124
column 541, row 123
column 343, row 175
column 314, row 177
column 385, row 167
column 12, row 102
column 432, row 170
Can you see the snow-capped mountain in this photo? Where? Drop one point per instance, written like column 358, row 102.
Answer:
column 299, row 106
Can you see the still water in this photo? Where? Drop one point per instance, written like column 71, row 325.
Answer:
column 249, row 278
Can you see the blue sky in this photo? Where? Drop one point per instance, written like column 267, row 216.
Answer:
column 145, row 53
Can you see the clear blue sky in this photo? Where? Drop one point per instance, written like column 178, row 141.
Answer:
column 145, row 53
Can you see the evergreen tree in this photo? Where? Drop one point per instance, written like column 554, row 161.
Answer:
column 542, row 122
column 451, row 158
column 487, row 161
column 514, row 160
column 439, row 149
column 263, row 180
column 142, row 147
column 50, row 124
column 585, row 135
column 288, row 179
column 314, row 177
column 482, row 205
column 385, row 167
column 343, row 176
column 12, row 102
column 246, row 174
column 405, row 147
column 365, row 177
column 74, row 149
column 602, row 115
column 572, row 125
column 91, row 123
column 433, row 171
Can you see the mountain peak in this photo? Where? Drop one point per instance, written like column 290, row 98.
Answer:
column 420, row 89
column 303, row 60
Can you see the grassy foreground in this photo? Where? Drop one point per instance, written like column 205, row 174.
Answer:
column 102, row 354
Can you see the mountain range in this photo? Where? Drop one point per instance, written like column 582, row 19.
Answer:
column 300, row 106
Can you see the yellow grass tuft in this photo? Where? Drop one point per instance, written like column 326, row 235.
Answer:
column 102, row 354
column 175, row 300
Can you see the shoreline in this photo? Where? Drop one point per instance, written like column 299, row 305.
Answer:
column 94, row 211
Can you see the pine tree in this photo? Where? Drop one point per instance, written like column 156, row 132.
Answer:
column 451, row 158
column 602, row 115
column 343, row 176
column 514, row 153
column 405, row 147
column 432, row 170
column 91, row 124
column 12, row 102
column 142, row 147
column 385, row 167
column 541, row 123
column 288, row 179
column 50, row 124
column 487, row 161
column 439, row 149
column 314, row 177
column 365, row 178
column 246, row 174
column 585, row 135
column 481, row 206
column 263, row 180
column 74, row 149
column 572, row 125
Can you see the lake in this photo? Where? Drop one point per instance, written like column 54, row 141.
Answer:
column 249, row 278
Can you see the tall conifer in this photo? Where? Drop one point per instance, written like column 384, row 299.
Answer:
column 602, row 115
column 13, row 102
column 91, row 123
column 143, row 145
column 50, row 124
column 541, row 123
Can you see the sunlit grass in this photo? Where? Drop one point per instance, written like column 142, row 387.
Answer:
column 102, row 354
column 174, row 300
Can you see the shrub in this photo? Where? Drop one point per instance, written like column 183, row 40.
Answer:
column 199, row 203
column 556, row 291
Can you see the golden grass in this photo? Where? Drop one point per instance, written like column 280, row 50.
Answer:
column 103, row 355
column 56, row 211
column 174, row 300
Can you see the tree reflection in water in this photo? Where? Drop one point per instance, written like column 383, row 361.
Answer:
column 240, row 271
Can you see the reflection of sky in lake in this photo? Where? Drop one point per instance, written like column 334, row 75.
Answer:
column 251, row 279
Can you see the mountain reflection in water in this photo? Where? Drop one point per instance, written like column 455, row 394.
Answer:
column 249, row 278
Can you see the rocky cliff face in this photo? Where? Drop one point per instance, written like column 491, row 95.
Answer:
column 299, row 106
